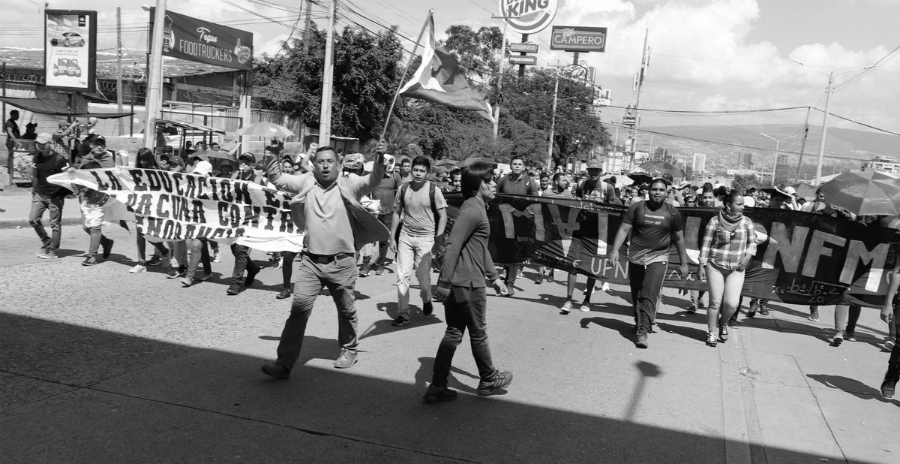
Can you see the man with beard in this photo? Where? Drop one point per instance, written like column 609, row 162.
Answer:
column 654, row 225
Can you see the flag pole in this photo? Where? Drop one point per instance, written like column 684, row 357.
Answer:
column 403, row 76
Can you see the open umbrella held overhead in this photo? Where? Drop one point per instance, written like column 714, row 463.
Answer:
column 659, row 168
column 265, row 129
column 864, row 193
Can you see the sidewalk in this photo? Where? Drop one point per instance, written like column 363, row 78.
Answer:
column 15, row 208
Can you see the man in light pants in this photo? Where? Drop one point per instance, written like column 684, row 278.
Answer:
column 422, row 209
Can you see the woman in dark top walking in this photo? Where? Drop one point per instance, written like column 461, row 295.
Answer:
column 461, row 286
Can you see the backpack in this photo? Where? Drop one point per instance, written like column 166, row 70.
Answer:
column 405, row 188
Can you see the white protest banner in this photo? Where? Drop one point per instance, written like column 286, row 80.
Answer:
column 179, row 206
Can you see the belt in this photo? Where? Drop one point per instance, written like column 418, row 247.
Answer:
column 327, row 259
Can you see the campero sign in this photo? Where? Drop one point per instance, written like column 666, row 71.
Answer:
column 578, row 39
column 532, row 16
column 192, row 39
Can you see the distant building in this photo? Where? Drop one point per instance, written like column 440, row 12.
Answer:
column 699, row 164
column 745, row 160
column 885, row 164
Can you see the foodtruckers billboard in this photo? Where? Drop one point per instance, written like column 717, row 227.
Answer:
column 531, row 16
column 70, row 49
column 195, row 40
column 578, row 39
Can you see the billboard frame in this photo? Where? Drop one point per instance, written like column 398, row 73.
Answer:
column 91, row 49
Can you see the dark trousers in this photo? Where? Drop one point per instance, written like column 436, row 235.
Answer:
column 142, row 247
column 97, row 238
column 242, row 262
column 855, row 311
column 340, row 278
column 287, row 267
column 646, row 283
column 39, row 204
column 893, row 372
column 466, row 307
column 385, row 219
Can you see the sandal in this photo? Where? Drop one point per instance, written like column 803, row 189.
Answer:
column 723, row 333
column 711, row 340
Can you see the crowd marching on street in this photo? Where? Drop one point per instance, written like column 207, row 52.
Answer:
column 401, row 210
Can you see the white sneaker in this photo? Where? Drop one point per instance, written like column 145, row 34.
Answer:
column 585, row 307
column 138, row 268
column 205, row 277
column 217, row 258
column 889, row 345
column 566, row 307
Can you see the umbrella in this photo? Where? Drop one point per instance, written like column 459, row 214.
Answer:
column 445, row 163
column 639, row 177
column 265, row 129
column 804, row 190
column 658, row 168
column 215, row 154
column 864, row 193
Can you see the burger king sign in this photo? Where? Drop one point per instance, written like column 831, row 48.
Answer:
column 532, row 15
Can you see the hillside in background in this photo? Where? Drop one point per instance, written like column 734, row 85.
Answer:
column 845, row 149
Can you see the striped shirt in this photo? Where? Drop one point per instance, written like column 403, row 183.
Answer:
column 726, row 249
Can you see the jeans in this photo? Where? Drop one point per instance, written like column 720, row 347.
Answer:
column 646, row 283
column 242, row 262
column 340, row 278
column 39, row 204
column 142, row 247
column 287, row 267
column 724, row 290
column 845, row 317
column 383, row 246
column 465, row 307
column 97, row 238
column 199, row 252
column 413, row 252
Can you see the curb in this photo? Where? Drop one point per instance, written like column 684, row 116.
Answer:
column 20, row 223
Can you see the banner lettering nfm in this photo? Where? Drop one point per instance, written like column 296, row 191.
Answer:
column 195, row 40
column 802, row 258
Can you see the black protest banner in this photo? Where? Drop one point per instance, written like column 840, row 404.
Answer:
column 801, row 258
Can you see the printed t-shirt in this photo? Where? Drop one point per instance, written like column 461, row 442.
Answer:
column 418, row 218
column 651, row 233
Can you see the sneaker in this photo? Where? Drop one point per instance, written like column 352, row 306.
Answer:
column 400, row 321
column 427, row 308
column 379, row 269
column 155, row 260
column 711, row 339
column 723, row 333
column 176, row 273
column 838, row 339
column 499, row 381
column 436, row 394
column 692, row 309
column 887, row 389
column 185, row 282
column 642, row 341
column 889, row 345
column 233, row 289
column 276, row 370
column 364, row 270
column 107, row 247
column 849, row 336
column 763, row 309
column 205, row 277
column 585, row 307
column 90, row 261
column 566, row 307
column 42, row 251
column 510, row 290
column 814, row 315
column 138, row 268
column 217, row 257
column 284, row 293
column 48, row 255
column 346, row 360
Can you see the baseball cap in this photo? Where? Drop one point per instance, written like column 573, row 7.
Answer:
column 594, row 164
column 43, row 137
column 790, row 190
column 668, row 178
column 99, row 140
column 203, row 168
column 248, row 157
column 176, row 160
column 684, row 184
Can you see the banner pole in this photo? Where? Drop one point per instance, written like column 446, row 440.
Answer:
column 387, row 120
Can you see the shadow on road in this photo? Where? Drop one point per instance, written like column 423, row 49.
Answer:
column 851, row 386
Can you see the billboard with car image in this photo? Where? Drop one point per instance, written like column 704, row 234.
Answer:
column 70, row 49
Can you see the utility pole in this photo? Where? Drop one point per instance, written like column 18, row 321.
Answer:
column 327, row 81
column 306, row 31
column 119, row 65
column 803, row 143
column 500, row 73
column 552, row 122
column 637, row 103
column 155, row 78
column 824, row 130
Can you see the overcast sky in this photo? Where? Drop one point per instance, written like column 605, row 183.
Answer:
column 707, row 55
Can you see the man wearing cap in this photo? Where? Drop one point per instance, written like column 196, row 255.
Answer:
column 200, row 164
column 241, row 253
column 791, row 201
column 386, row 192
column 92, row 202
column 337, row 226
column 47, row 196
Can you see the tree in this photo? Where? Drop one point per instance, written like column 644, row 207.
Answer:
column 476, row 52
column 366, row 74
column 742, row 182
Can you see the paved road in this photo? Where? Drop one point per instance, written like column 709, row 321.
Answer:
column 99, row 365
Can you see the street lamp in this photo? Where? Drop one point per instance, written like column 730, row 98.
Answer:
column 831, row 75
column 777, row 141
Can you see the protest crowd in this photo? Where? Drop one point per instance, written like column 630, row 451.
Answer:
column 398, row 214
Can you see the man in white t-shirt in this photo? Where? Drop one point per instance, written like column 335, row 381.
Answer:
column 420, row 215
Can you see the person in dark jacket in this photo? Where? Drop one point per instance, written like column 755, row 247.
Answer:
column 461, row 287
column 46, row 196
column 92, row 202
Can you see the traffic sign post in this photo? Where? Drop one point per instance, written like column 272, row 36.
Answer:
column 523, row 48
column 523, row 60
